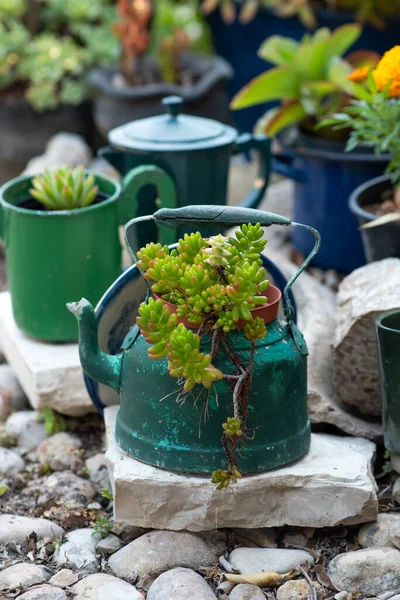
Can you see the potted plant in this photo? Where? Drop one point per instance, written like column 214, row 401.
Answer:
column 311, row 81
column 240, row 26
column 373, row 120
column 47, row 49
column 61, row 238
column 153, row 66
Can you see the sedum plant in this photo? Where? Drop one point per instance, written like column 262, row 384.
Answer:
column 64, row 189
column 214, row 284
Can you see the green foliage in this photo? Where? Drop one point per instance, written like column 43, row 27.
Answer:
column 106, row 494
column 223, row 478
column 7, row 439
column 102, row 526
column 309, row 79
column 64, row 189
column 53, row 423
column 3, row 490
column 255, row 329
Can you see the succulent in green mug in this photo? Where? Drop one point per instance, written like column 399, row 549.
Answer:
column 64, row 189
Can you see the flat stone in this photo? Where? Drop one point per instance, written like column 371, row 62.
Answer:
column 12, row 396
column 370, row 572
column 378, row 534
column 22, row 575
column 44, row 592
column 59, row 451
column 79, row 551
column 275, row 560
column 66, row 486
column 14, row 528
column 10, row 462
column 245, row 591
column 144, row 559
column 109, row 545
column 180, row 584
column 50, row 374
column 331, row 485
column 26, row 426
column 298, row 589
column 64, row 578
column 355, row 351
column 105, row 587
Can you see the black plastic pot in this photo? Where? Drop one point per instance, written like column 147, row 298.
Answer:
column 207, row 97
column 24, row 133
column 379, row 242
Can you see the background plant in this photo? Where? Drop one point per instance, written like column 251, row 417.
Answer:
column 66, row 188
column 214, row 283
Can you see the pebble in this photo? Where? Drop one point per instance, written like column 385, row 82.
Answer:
column 265, row 537
column 371, row 571
column 298, row 589
column 297, row 540
column 10, row 462
column 395, row 460
column 277, row 560
column 22, row 575
column 64, row 578
column 394, row 532
column 109, row 544
column 377, row 534
column 67, row 486
column 245, row 591
column 29, row 431
column 127, row 533
column 44, row 592
column 98, row 472
column 16, row 529
column 180, row 584
column 79, row 551
column 157, row 551
column 12, row 396
column 105, row 587
column 59, row 451
column 396, row 491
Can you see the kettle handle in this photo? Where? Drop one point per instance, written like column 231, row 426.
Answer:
column 262, row 144
column 230, row 216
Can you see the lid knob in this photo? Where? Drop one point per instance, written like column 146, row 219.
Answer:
column 173, row 104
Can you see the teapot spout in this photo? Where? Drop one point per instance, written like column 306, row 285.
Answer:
column 102, row 367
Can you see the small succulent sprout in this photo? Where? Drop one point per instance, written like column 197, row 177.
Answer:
column 64, row 189
column 255, row 329
column 223, row 478
column 232, row 427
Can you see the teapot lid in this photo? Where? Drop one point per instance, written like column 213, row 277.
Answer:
column 172, row 132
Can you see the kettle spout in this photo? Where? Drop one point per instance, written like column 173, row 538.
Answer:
column 102, row 367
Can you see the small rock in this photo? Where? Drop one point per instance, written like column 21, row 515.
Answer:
column 10, row 462
column 180, row 584
column 277, row 560
column 98, row 471
column 245, row 591
column 298, row 589
column 157, row 551
column 16, row 529
column 225, row 587
column 297, row 540
column 64, row 578
column 105, row 587
column 67, row 486
column 265, row 537
column 22, row 575
column 109, row 545
column 378, row 534
column 12, row 396
column 396, row 491
column 25, row 425
column 59, row 451
column 44, row 592
column 62, row 149
column 127, row 533
column 370, row 572
column 395, row 460
column 394, row 532
column 79, row 551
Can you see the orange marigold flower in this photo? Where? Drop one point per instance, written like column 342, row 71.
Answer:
column 388, row 70
column 359, row 74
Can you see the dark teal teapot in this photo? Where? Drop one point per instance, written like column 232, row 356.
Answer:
column 194, row 152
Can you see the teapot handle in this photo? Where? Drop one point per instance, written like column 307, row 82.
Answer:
column 262, row 145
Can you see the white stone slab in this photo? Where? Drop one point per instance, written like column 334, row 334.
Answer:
column 332, row 485
column 50, row 374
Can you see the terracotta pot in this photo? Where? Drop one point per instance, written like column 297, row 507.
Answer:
column 268, row 312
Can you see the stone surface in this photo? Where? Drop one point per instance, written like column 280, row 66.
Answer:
column 50, row 374
column 265, row 537
column 145, row 558
column 29, row 431
column 66, row 486
column 298, row 589
column 12, row 396
column 98, row 472
column 10, row 462
column 64, row 578
column 109, row 545
column 245, row 591
column 394, row 532
column 396, row 491
column 79, row 551
column 363, row 295
column 332, row 484
column 105, row 587
column 180, row 584
column 62, row 149
column 395, row 460
column 14, row 528
column 44, row 592
column 378, row 534
column 370, row 572
column 275, row 560
column 59, row 451
column 22, row 575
